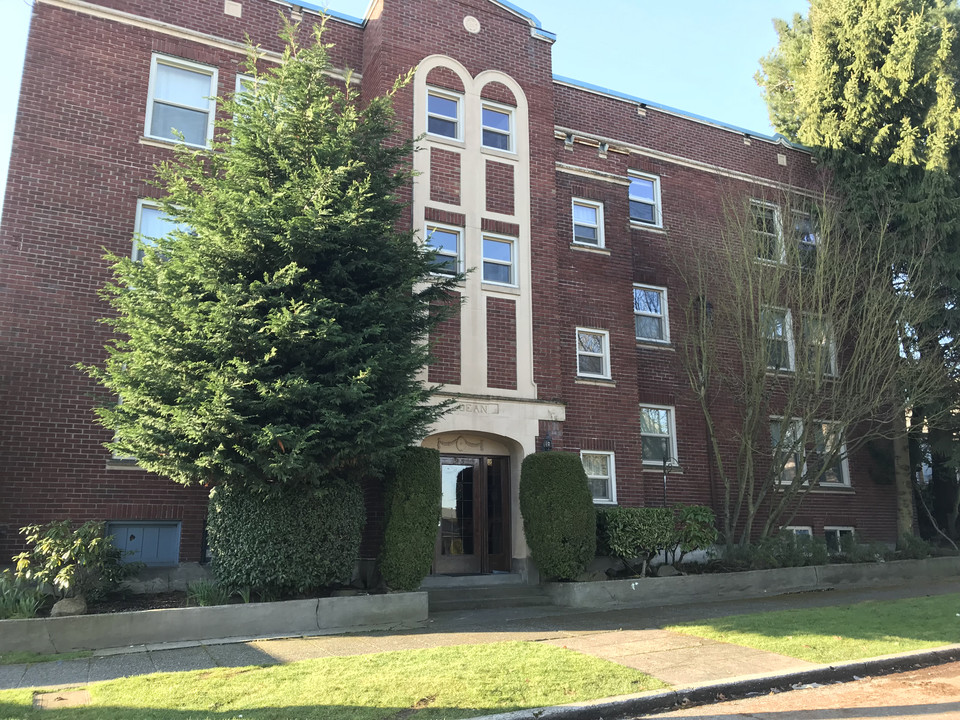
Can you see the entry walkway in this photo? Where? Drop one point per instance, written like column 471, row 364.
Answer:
column 632, row 637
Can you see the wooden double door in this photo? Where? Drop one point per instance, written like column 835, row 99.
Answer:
column 474, row 533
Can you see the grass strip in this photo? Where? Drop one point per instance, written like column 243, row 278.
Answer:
column 846, row 632
column 29, row 658
column 448, row 682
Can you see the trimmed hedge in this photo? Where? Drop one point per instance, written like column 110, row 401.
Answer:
column 642, row 533
column 286, row 541
column 558, row 515
column 412, row 504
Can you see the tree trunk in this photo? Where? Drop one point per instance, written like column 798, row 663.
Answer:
column 906, row 511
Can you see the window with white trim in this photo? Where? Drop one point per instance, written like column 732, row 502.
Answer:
column 446, row 243
column 799, row 531
column 496, row 127
column 181, row 99
column 499, row 260
column 767, row 231
column 786, row 437
column 601, row 475
column 658, row 435
column 838, row 537
column 645, row 199
column 820, row 351
column 443, row 114
column 828, row 443
column 776, row 327
column 587, row 223
column 151, row 224
column 650, row 313
column 806, row 235
column 593, row 353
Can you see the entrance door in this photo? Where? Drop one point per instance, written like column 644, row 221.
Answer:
column 474, row 535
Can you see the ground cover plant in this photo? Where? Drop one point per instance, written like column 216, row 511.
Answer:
column 845, row 632
column 451, row 682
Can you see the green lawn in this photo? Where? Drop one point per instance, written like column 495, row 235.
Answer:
column 848, row 632
column 450, row 682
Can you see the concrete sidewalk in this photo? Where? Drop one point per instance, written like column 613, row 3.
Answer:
column 630, row 637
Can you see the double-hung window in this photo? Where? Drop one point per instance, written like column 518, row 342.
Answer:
column 819, row 454
column 658, row 435
column 820, row 354
column 838, row 537
column 786, row 438
column 151, row 225
column 587, row 223
column 650, row 313
column 499, row 260
column 443, row 115
column 829, row 454
column 806, row 236
column 645, row 199
column 601, row 475
column 767, row 231
column 777, row 333
column 497, row 127
column 181, row 99
column 446, row 243
column 593, row 353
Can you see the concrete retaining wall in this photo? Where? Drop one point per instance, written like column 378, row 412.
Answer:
column 324, row 616
column 658, row 592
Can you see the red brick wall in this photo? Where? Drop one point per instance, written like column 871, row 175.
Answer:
column 444, row 176
column 499, row 187
column 445, row 346
column 501, row 343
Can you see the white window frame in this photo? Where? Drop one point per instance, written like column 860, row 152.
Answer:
column 799, row 457
column 211, row 108
column 799, row 530
column 511, row 132
column 657, row 206
column 788, row 327
column 672, row 424
column 604, row 353
column 780, row 249
column 611, row 478
column 828, row 339
column 801, row 239
column 803, row 452
column 448, row 95
column 593, row 205
column 664, row 316
column 838, row 529
column 512, row 241
column 445, row 228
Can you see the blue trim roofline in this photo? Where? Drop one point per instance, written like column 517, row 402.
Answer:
column 535, row 24
column 776, row 138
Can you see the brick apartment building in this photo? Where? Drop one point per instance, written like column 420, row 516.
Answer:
column 570, row 202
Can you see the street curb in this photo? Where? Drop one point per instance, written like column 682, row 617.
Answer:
column 701, row 694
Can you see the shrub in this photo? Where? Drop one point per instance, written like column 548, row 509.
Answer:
column 779, row 551
column 205, row 593
column 72, row 562
column 558, row 515
column 19, row 599
column 412, row 502
column 286, row 541
column 695, row 529
column 911, row 547
column 635, row 533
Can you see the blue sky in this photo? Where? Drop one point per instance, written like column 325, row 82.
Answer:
column 698, row 55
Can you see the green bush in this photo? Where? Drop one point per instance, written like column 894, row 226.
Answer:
column 205, row 593
column 635, row 533
column 412, row 503
column 72, row 562
column 287, row 541
column 911, row 547
column 695, row 529
column 19, row 598
column 558, row 515
column 779, row 551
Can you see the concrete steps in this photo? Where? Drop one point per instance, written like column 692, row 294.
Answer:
column 475, row 596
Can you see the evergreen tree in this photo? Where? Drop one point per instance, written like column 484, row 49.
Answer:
column 871, row 87
column 277, row 336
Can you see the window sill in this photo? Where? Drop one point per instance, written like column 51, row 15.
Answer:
column 169, row 144
column 595, row 381
column 504, row 154
column 654, row 345
column 822, row 489
column 119, row 463
column 505, row 289
column 444, row 140
column 605, row 503
column 580, row 247
column 658, row 229
column 672, row 469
